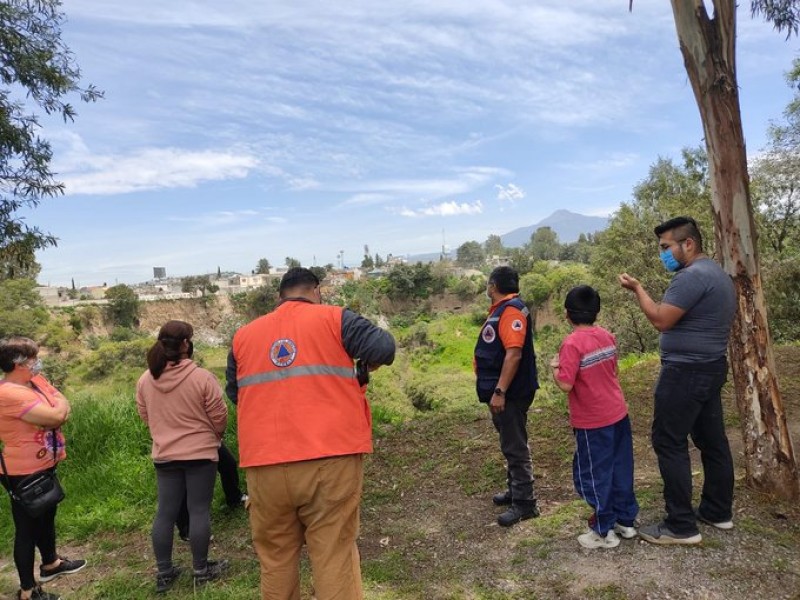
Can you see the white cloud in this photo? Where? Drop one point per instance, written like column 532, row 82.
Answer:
column 154, row 168
column 445, row 209
column 614, row 160
column 509, row 193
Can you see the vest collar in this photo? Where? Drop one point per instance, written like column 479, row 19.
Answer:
column 499, row 302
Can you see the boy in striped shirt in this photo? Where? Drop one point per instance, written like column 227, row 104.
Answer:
column 602, row 467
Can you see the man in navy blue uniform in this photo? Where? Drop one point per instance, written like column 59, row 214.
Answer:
column 505, row 365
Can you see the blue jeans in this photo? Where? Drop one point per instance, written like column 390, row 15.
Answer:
column 688, row 403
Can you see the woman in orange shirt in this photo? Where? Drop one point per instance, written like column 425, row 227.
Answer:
column 31, row 414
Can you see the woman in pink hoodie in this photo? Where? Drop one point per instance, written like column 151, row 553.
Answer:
column 182, row 405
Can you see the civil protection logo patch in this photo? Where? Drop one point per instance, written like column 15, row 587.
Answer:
column 516, row 325
column 488, row 334
column 283, row 352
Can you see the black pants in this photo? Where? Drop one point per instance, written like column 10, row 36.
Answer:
column 192, row 480
column 688, row 403
column 31, row 533
column 512, row 426
column 229, row 477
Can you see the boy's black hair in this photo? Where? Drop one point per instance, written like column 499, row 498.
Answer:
column 582, row 304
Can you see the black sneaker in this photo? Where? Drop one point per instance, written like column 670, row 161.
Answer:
column 165, row 581
column 502, row 498
column 517, row 513
column 66, row 567
column 214, row 570
column 39, row 594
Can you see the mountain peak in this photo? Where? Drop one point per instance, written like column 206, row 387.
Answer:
column 568, row 226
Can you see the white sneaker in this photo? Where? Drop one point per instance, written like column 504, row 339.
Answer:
column 591, row 540
column 726, row 525
column 625, row 532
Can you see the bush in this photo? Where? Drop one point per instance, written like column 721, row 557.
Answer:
column 114, row 357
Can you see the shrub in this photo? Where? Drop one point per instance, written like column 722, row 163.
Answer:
column 114, row 357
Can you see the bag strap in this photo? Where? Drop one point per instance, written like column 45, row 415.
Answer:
column 9, row 487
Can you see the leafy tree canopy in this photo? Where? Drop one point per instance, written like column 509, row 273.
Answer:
column 37, row 73
column 470, row 254
column 123, row 306
column 263, row 267
column 21, row 309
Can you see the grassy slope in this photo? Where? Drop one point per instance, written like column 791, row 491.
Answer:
column 428, row 527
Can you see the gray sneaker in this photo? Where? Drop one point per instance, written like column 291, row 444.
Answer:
column 661, row 534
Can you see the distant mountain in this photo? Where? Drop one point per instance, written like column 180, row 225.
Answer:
column 567, row 225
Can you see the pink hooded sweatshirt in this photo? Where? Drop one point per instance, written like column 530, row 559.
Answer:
column 184, row 410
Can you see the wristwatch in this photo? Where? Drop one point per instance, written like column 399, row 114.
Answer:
column 499, row 392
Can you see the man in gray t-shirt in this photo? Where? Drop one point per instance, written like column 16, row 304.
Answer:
column 706, row 294
column 694, row 318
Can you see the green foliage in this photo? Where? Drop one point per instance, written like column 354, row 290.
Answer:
column 467, row 288
column 201, row 283
column 320, row 272
column 123, row 306
column 56, row 368
column 36, row 62
column 417, row 281
column 551, row 283
column 775, row 187
column 21, row 309
column 257, row 302
column 116, row 357
column 361, row 296
column 493, row 246
column 470, row 254
column 782, row 291
column 292, row 262
column 544, row 244
column 629, row 244
column 57, row 335
column 579, row 251
column 535, row 288
column 262, row 267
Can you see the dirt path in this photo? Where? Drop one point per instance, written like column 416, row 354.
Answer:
column 437, row 531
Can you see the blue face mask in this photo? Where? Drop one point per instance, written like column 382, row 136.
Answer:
column 669, row 261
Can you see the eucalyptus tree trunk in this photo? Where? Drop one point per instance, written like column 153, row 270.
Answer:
column 708, row 46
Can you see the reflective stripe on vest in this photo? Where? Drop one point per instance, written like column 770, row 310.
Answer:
column 288, row 372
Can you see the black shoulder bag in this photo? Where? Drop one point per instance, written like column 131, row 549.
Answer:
column 39, row 492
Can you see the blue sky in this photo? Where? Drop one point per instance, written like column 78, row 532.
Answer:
column 240, row 130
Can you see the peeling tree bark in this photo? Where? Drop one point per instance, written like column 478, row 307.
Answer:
column 708, row 46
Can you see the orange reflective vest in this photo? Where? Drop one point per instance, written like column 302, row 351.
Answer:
column 298, row 395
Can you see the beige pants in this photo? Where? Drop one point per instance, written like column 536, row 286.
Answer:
column 316, row 501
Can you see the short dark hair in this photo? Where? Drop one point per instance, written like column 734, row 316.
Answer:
column 684, row 228
column 298, row 277
column 582, row 304
column 16, row 350
column 506, row 279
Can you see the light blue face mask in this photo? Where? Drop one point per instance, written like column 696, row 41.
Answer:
column 669, row 261
column 35, row 368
